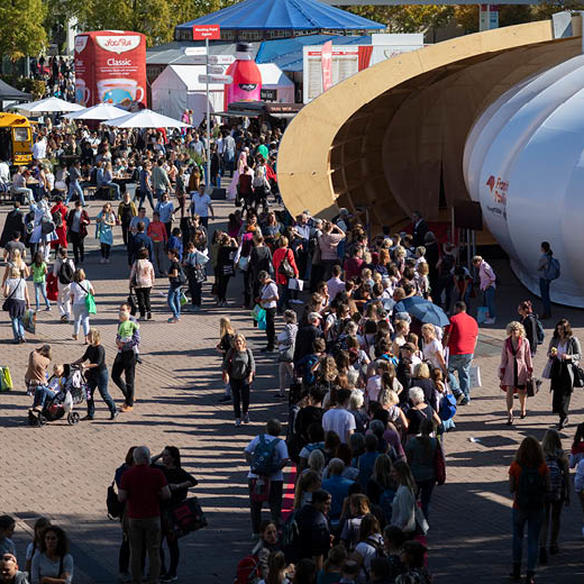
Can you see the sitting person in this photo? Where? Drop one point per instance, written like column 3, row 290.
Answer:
column 44, row 393
column 52, row 562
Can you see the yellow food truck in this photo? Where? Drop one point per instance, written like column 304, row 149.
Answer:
column 15, row 139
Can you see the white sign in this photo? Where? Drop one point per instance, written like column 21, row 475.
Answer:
column 224, row 79
column 118, row 44
column 195, row 51
column 221, row 59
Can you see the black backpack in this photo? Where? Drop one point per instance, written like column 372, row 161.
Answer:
column 66, row 273
column 58, row 218
column 531, row 490
column 114, row 507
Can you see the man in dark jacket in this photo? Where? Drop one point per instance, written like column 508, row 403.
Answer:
column 14, row 223
column 306, row 337
column 420, row 228
column 138, row 241
column 314, row 536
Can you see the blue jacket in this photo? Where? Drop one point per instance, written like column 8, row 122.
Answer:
column 175, row 243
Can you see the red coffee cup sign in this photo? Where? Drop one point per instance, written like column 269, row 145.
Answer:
column 211, row 32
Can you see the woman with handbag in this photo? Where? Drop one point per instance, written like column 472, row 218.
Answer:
column 405, row 512
column 286, row 345
column 516, row 368
column 81, row 289
column 564, row 353
column 17, row 301
column 196, row 273
column 285, row 268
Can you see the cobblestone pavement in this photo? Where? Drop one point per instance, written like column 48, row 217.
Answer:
column 63, row 472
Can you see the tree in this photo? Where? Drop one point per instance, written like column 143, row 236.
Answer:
column 21, row 29
column 408, row 18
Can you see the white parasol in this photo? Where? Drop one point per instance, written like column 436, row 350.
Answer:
column 146, row 119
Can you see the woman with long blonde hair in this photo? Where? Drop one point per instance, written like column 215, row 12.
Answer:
column 516, row 368
column 226, row 337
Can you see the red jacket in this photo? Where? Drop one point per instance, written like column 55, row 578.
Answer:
column 277, row 259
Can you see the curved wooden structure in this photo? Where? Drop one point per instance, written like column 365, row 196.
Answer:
column 391, row 138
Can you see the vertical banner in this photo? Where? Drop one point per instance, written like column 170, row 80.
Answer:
column 327, row 65
column 365, row 52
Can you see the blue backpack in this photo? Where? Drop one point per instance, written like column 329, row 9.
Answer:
column 552, row 272
column 447, row 407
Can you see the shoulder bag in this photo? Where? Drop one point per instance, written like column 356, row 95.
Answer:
column 576, row 369
column 7, row 302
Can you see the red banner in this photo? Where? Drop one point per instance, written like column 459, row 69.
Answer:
column 211, row 32
column 110, row 66
column 327, row 65
column 365, row 52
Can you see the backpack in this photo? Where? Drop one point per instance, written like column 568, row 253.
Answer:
column 290, row 537
column 386, row 502
column 66, row 273
column 552, row 272
column 248, row 571
column 556, row 492
column 531, row 489
column 58, row 218
column 285, row 268
column 379, row 553
column 264, row 461
column 447, row 407
column 47, row 225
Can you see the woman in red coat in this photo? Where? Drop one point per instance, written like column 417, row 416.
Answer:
column 516, row 367
column 282, row 252
column 59, row 212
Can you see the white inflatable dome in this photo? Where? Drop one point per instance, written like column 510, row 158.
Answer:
column 524, row 163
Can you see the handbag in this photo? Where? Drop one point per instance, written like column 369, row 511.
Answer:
column 243, row 263
column 29, row 321
column 187, row 516
column 7, row 303
column 89, row 301
column 578, row 375
column 533, row 386
column 113, row 505
column 285, row 269
column 52, row 287
column 547, row 370
column 5, row 379
column 296, row 284
column 439, row 465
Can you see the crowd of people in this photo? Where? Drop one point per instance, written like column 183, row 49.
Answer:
column 372, row 334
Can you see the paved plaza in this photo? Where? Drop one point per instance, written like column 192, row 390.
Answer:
column 63, row 472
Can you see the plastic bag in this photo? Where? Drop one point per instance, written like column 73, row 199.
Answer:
column 5, row 379
column 29, row 321
column 262, row 324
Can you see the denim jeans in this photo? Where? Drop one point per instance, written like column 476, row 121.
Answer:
column 41, row 288
column 534, row 519
column 115, row 188
column 80, row 318
column 146, row 194
column 174, row 301
column 17, row 328
column 284, row 293
column 75, row 189
column 544, row 291
column 41, row 394
column 461, row 365
column 98, row 380
column 490, row 301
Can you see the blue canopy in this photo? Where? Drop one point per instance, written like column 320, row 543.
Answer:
column 284, row 15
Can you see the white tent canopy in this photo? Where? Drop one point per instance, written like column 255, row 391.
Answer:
column 101, row 111
column 49, row 105
column 274, row 79
column 177, row 88
column 145, row 119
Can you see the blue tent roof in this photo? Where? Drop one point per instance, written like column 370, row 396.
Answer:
column 284, row 15
column 288, row 53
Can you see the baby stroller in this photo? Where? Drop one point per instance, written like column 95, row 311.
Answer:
column 72, row 392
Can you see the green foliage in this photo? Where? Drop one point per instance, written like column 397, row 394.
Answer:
column 409, row 18
column 36, row 87
column 21, row 28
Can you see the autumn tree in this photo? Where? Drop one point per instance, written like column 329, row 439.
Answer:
column 409, row 18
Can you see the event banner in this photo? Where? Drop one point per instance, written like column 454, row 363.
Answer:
column 110, row 66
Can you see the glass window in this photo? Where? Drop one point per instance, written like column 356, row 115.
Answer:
column 20, row 134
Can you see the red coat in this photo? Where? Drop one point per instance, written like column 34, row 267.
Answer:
column 60, row 231
column 278, row 256
column 524, row 365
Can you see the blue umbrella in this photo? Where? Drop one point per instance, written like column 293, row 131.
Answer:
column 422, row 309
